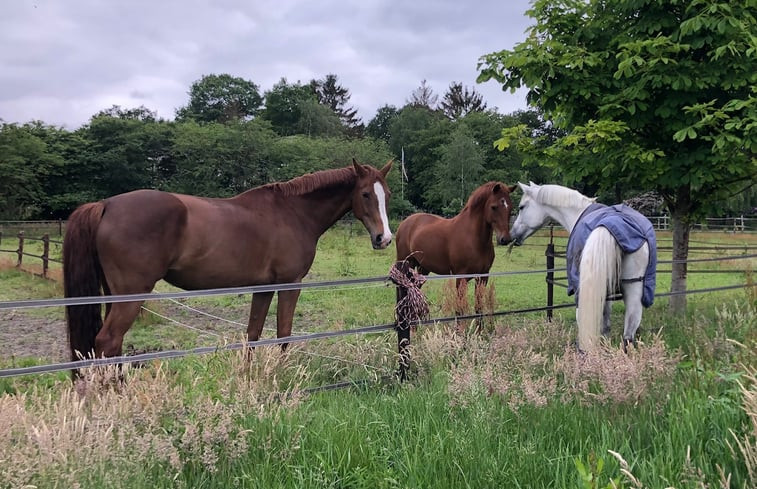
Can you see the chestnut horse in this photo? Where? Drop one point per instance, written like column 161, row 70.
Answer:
column 266, row 235
column 461, row 245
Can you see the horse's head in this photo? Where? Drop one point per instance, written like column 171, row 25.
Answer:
column 497, row 211
column 369, row 202
column 531, row 214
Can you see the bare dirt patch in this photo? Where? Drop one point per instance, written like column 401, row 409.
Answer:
column 23, row 335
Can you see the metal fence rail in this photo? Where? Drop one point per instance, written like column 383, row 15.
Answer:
column 167, row 354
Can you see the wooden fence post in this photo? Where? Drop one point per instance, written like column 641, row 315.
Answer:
column 20, row 250
column 60, row 227
column 45, row 253
column 550, row 254
column 403, row 327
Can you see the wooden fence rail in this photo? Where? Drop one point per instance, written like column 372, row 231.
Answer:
column 21, row 253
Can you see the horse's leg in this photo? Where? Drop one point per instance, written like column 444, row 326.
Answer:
column 606, row 319
column 633, row 267
column 480, row 295
column 261, row 301
column 461, row 301
column 120, row 317
column 285, row 313
column 632, row 292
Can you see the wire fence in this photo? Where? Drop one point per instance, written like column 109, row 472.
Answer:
column 301, row 338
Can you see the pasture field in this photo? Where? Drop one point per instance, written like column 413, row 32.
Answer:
column 512, row 406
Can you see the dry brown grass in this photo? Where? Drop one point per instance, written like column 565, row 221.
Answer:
column 54, row 273
column 456, row 302
column 531, row 365
column 61, row 437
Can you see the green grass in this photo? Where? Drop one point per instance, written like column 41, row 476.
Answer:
column 467, row 418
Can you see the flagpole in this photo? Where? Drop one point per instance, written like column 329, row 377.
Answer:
column 403, row 176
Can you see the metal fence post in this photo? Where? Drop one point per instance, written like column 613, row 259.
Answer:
column 550, row 254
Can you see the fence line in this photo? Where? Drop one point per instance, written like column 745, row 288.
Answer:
column 380, row 328
column 167, row 354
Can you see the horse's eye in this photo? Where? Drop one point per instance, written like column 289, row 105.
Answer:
column 366, row 195
column 494, row 207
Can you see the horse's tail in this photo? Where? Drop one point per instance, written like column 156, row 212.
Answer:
column 82, row 276
column 599, row 272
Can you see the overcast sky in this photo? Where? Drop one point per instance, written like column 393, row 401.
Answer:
column 61, row 61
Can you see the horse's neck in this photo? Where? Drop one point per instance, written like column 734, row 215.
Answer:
column 322, row 208
column 567, row 216
column 474, row 223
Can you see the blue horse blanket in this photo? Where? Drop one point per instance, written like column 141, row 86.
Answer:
column 630, row 229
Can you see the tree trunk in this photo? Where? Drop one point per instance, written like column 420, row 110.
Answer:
column 681, row 230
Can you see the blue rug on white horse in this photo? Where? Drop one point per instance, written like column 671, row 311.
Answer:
column 629, row 228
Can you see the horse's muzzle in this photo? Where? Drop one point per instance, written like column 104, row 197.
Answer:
column 380, row 241
column 504, row 241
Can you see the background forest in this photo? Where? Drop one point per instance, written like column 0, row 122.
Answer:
column 231, row 137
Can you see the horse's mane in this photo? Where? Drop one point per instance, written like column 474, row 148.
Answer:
column 480, row 195
column 312, row 181
column 558, row 196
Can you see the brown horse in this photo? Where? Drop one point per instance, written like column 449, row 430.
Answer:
column 461, row 245
column 266, row 235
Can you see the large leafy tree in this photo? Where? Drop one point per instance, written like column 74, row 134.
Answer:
column 284, row 106
column 318, row 120
column 459, row 101
column 653, row 94
column 221, row 98
column 221, row 160
column 378, row 127
column 419, row 134
column 458, row 171
column 25, row 163
column 123, row 150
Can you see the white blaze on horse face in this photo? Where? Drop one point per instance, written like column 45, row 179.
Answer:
column 381, row 197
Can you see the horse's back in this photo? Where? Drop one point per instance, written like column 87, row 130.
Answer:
column 138, row 237
column 414, row 233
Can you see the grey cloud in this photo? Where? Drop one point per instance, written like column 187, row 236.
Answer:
column 64, row 61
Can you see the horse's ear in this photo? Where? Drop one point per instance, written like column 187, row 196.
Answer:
column 523, row 187
column 358, row 168
column 496, row 188
column 385, row 170
column 512, row 188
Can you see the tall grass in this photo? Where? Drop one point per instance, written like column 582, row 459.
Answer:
column 513, row 406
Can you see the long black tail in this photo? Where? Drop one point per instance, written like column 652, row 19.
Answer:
column 82, row 276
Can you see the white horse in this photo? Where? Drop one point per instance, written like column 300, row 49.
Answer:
column 608, row 259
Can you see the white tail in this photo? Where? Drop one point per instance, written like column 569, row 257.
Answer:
column 598, row 272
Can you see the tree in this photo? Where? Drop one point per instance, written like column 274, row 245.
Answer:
column 283, row 106
column 423, row 96
column 653, row 94
column 318, row 120
column 419, row 133
column 457, row 173
column 221, row 160
column 459, row 101
column 337, row 98
column 140, row 113
column 221, row 98
column 378, row 127
column 25, row 162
